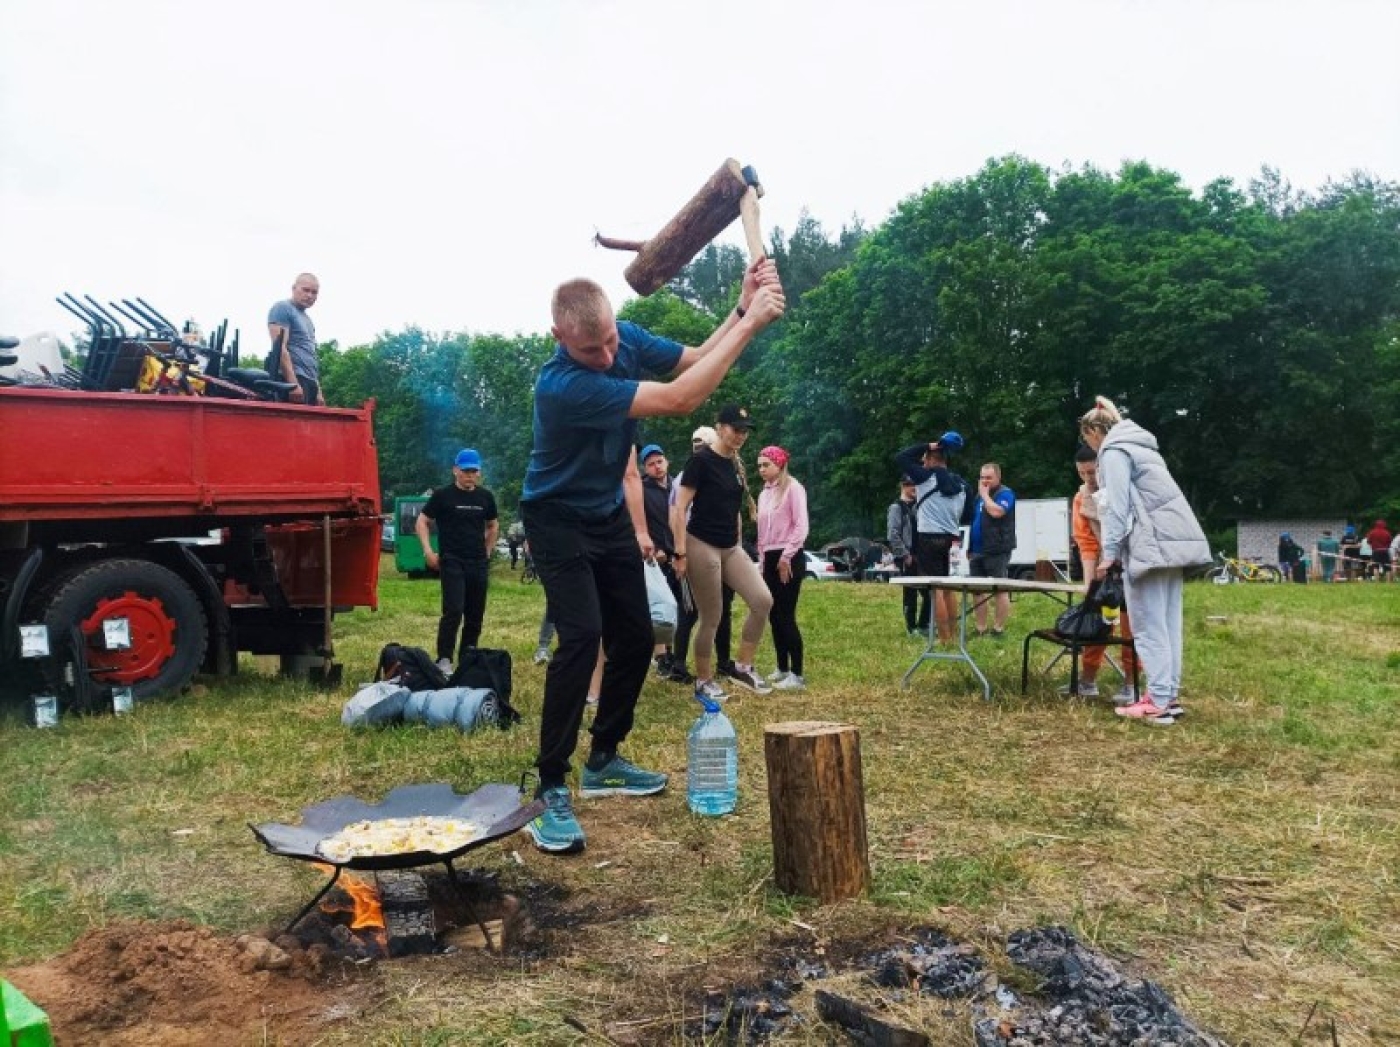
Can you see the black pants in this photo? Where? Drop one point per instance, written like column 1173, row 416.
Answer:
column 591, row 571
column 463, row 603
column 680, row 644
column 787, row 637
column 916, row 604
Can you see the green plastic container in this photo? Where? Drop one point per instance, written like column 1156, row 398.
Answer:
column 408, row 551
column 21, row 1023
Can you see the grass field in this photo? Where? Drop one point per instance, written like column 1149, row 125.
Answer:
column 1245, row 859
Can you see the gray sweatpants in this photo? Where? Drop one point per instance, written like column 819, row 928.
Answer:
column 1154, row 601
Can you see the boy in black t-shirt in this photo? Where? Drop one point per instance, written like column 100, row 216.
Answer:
column 465, row 514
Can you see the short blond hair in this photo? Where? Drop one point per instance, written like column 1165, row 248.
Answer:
column 579, row 305
column 1102, row 417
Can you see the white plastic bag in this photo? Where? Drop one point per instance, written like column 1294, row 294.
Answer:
column 375, row 704
column 663, row 604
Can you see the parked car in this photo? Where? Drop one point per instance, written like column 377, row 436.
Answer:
column 387, row 533
column 820, row 569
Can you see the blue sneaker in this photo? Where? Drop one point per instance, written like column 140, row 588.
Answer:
column 556, row 830
column 620, row 777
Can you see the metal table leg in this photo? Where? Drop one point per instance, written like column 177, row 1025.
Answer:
column 931, row 653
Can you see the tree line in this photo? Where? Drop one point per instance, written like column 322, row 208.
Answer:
column 1254, row 329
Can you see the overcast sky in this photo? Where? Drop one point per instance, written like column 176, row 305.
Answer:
column 446, row 163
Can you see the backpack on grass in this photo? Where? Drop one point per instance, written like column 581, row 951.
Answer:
column 488, row 668
column 413, row 667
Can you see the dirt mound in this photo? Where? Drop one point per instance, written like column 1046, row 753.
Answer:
column 174, row 984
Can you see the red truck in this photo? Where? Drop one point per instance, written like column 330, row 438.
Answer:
column 198, row 527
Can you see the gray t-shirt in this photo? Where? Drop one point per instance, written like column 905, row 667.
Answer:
column 301, row 338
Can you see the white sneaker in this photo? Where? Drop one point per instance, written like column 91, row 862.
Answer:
column 445, row 664
column 1086, row 690
column 541, row 655
column 711, row 690
column 774, row 677
column 790, row 682
column 592, row 699
column 1124, row 696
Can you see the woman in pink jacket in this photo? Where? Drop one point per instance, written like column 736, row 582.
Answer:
column 782, row 528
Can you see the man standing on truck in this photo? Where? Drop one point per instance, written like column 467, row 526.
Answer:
column 467, row 523
column 293, row 355
column 583, row 510
column 991, row 540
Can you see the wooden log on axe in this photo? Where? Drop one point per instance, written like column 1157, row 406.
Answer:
column 731, row 192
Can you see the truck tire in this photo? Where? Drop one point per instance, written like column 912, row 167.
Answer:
column 169, row 631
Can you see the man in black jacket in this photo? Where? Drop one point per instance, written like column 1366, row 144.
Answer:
column 991, row 539
column 658, row 492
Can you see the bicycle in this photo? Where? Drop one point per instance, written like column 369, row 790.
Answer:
column 1231, row 570
column 528, row 574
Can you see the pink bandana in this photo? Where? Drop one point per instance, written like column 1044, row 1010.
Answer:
column 776, row 455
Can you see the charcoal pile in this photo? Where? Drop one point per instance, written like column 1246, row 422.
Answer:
column 745, row 1015
column 934, row 965
column 1090, row 1002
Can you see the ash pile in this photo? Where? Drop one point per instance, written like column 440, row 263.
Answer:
column 1090, row 1002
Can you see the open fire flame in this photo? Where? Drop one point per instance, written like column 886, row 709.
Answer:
column 366, row 914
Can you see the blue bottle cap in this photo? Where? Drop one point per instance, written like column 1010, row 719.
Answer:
column 710, row 705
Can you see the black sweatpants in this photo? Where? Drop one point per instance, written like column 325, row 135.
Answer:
column 464, row 584
column 782, row 620
column 591, row 571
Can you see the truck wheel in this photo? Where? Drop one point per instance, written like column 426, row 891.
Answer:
column 169, row 631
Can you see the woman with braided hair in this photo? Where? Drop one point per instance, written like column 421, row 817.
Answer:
column 707, row 523
column 1149, row 530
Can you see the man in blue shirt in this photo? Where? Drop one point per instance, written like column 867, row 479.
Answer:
column 583, row 509
column 940, row 509
column 990, row 540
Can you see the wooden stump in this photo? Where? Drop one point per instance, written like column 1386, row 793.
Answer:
column 816, row 805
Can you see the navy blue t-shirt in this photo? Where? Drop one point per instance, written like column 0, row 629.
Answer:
column 582, row 435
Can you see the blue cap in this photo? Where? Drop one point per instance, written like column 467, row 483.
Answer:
column 709, row 704
column 468, row 459
column 1285, row 535
column 649, row 450
column 951, row 441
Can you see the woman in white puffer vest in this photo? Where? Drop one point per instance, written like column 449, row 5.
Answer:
column 1150, row 530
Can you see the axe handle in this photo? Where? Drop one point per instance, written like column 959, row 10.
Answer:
column 748, row 214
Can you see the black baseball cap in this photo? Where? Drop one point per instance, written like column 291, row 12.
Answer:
column 733, row 414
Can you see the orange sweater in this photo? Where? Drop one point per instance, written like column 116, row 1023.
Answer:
column 1083, row 529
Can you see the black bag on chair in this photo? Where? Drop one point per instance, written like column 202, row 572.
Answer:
column 1084, row 621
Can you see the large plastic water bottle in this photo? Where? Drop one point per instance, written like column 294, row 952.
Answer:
column 712, row 772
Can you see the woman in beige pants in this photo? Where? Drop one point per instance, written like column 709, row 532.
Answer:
column 707, row 523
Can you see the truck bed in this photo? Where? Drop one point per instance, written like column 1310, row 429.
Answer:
column 103, row 456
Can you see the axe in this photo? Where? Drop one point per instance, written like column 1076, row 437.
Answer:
column 731, row 192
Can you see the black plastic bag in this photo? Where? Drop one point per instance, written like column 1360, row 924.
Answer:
column 1084, row 621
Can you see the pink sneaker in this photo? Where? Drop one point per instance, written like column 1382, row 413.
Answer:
column 1147, row 713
